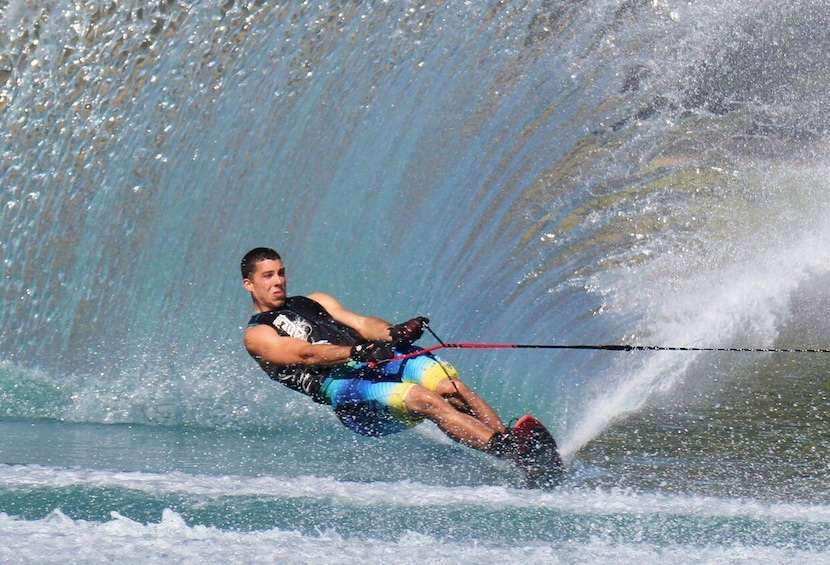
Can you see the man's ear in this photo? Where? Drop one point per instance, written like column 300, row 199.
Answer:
column 249, row 286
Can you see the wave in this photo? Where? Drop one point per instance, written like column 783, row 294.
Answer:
column 542, row 171
column 412, row 494
column 292, row 520
column 61, row 538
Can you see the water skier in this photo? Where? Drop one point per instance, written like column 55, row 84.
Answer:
column 312, row 344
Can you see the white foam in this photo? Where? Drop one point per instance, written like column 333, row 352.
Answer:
column 740, row 305
column 59, row 539
column 413, row 494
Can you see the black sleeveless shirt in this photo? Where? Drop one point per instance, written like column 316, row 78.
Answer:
column 304, row 319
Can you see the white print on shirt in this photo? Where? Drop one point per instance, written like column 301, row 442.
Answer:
column 299, row 329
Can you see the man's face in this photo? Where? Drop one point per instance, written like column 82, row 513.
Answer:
column 267, row 285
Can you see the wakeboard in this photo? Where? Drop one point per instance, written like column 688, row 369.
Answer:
column 538, row 455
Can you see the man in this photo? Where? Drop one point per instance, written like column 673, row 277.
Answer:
column 352, row 362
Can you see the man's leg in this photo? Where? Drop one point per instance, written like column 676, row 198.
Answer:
column 437, row 375
column 462, row 398
column 459, row 426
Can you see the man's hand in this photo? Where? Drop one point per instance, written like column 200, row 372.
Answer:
column 373, row 352
column 408, row 332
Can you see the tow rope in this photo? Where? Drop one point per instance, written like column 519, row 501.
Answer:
column 610, row 347
column 607, row 347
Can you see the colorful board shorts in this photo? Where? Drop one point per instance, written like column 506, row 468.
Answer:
column 370, row 401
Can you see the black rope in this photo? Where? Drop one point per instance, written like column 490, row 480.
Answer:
column 622, row 347
column 469, row 409
column 617, row 347
column 429, row 329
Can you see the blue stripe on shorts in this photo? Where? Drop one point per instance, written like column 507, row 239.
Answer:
column 371, row 401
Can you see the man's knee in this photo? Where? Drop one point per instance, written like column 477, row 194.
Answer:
column 422, row 401
column 451, row 387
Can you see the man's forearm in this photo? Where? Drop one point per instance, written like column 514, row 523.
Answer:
column 325, row 354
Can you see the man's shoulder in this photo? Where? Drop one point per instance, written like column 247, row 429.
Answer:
column 325, row 301
column 256, row 336
column 318, row 297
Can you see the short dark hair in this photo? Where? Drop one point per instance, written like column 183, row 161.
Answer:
column 254, row 256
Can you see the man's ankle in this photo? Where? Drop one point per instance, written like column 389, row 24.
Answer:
column 503, row 445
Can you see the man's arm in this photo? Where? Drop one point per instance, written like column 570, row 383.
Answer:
column 267, row 345
column 369, row 328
